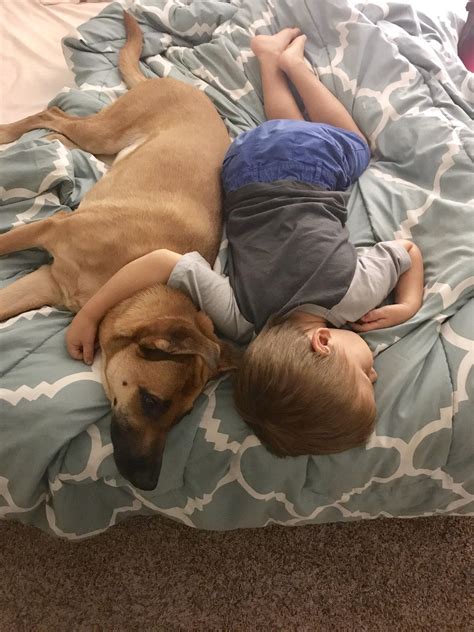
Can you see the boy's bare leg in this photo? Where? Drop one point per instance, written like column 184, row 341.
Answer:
column 278, row 100
column 321, row 105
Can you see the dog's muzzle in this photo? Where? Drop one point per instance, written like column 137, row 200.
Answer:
column 142, row 470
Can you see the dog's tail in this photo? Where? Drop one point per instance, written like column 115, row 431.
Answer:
column 129, row 58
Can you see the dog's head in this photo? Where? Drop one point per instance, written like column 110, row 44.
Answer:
column 158, row 354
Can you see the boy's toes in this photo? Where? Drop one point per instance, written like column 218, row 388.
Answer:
column 290, row 33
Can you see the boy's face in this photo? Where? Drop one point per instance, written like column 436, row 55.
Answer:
column 357, row 351
column 359, row 356
column 354, row 347
column 323, row 339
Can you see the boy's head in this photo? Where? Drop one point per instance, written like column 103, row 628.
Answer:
column 307, row 390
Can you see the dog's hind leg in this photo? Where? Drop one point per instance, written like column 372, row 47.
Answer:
column 107, row 159
column 30, row 292
column 46, row 119
column 106, row 132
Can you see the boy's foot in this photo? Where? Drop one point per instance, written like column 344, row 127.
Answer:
column 293, row 55
column 273, row 45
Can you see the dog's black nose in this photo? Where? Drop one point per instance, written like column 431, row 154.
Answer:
column 143, row 480
column 143, row 475
column 139, row 466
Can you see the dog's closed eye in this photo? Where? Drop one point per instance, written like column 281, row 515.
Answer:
column 153, row 406
column 159, row 355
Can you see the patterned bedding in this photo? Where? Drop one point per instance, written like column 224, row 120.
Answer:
column 396, row 69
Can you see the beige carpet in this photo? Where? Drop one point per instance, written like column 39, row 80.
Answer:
column 153, row 574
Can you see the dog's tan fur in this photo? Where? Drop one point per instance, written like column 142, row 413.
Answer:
column 165, row 193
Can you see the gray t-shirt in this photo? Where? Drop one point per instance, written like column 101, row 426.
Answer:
column 377, row 271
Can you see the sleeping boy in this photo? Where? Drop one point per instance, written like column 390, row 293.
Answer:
column 305, row 384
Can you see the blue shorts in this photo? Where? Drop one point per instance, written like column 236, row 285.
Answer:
column 283, row 149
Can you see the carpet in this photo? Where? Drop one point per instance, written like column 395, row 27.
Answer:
column 154, row 574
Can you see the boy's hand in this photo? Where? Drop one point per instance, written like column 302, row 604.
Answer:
column 154, row 267
column 80, row 337
column 408, row 296
column 386, row 316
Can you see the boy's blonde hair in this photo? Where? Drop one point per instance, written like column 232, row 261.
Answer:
column 297, row 401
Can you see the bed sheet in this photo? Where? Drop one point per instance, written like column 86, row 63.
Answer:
column 32, row 64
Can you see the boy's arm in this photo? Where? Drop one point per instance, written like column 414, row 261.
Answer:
column 154, row 267
column 213, row 293
column 408, row 295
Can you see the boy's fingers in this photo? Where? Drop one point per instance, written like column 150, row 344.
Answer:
column 374, row 314
column 88, row 352
column 375, row 324
column 75, row 350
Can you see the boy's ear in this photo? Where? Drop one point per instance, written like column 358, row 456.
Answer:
column 320, row 341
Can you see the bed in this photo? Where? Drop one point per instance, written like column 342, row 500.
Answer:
column 395, row 67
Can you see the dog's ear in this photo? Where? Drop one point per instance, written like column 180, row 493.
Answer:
column 174, row 337
column 229, row 356
column 171, row 337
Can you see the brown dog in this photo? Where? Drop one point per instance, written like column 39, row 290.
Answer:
column 158, row 350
